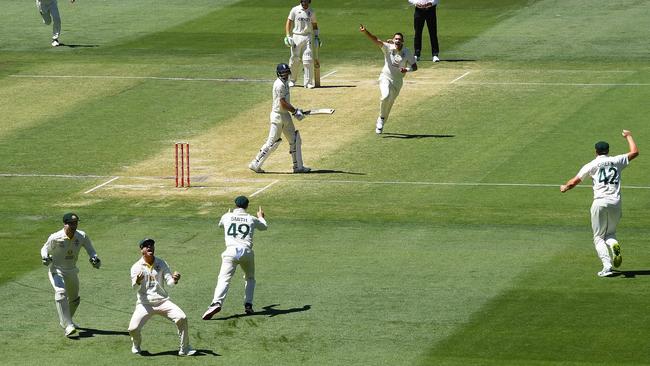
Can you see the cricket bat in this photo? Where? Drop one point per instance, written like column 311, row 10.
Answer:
column 316, row 55
column 311, row 112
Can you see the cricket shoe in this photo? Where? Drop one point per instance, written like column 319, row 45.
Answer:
column 248, row 308
column 135, row 350
column 55, row 42
column 309, row 86
column 302, row 169
column 70, row 331
column 214, row 308
column 255, row 168
column 606, row 272
column 416, row 58
column 435, row 59
column 618, row 258
column 379, row 126
column 189, row 351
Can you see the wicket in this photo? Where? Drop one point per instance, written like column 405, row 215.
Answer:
column 184, row 162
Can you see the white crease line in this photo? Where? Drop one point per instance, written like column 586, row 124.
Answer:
column 460, row 77
column 141, row 78
column 263, row 189
column 329, row 74
column 101, row 185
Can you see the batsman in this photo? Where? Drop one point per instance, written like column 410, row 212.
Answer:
column 300, row 27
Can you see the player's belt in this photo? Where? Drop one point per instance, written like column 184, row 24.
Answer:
column 424, row 6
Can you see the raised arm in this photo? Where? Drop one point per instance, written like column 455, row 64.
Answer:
column 634, row 151
column 370, row 36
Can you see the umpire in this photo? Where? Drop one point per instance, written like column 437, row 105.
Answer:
column 425, row 11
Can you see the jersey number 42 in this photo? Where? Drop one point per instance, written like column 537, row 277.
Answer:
column 609, row 176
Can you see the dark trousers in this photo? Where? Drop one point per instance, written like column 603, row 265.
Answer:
column 429, row 16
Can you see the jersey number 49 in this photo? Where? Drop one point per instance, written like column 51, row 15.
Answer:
column 235, row 229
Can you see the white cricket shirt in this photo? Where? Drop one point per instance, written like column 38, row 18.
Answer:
column 394, row 60
column 605, row 172
column 280, row 91
column 239, row 227
column 303, row 20
column 65, row 251
column 151, row 290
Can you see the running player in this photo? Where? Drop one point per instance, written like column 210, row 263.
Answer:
column 605, row 172
column 398, row 60
column 239, row 227
column 49, row 10
column 60, row 253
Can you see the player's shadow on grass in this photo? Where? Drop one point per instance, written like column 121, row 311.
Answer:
column 78, row 45
column 199, row 353
column 395, row 135
column 91, row 332
column 270, row 311
column 317, row 171
column 634, row 273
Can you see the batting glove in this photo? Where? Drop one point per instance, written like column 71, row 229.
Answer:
column 95, row 262
column 288, row 41
column 299, row 114
column 46, row 261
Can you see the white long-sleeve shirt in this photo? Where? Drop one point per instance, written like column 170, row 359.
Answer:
column 65, row 251
column 151, row 290
column 239, row 227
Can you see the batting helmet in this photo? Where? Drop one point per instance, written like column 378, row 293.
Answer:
column 283, row 71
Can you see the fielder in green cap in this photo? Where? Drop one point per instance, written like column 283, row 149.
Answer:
column 60, row 253
column 239, row 227
column 605, row 173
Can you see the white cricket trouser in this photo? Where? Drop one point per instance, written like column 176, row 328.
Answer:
column 230, row 258
column 50, row 11
column 281, row 123
column 143, row 312
column 389, row 90
column 301, row 50
column 66, row 294
column 605, row 216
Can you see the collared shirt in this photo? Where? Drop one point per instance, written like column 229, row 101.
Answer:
column 65, row 251
column 394, row 60
column 303, row 20
column 280, row 91
column 151, row 290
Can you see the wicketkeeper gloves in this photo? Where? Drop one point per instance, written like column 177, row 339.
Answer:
column 95, row 262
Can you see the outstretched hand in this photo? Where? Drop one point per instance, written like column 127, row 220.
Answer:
column 362, row 28
column 176, row 276
column 626, row 133
column 260, row 212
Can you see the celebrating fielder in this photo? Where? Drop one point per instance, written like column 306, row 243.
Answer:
column 239, row 227
column 148, row 276
column 60, row 253
column 398, row 60
column 301, row 25
column 605, row 172
column 281, row 123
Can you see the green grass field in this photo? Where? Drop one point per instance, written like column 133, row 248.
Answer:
column 444, row 241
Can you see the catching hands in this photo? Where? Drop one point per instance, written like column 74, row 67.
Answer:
column 299, row 114
column 176, row 276
column 626, row 133
column 46, row 261
column 362, row 28
column 96, row 262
